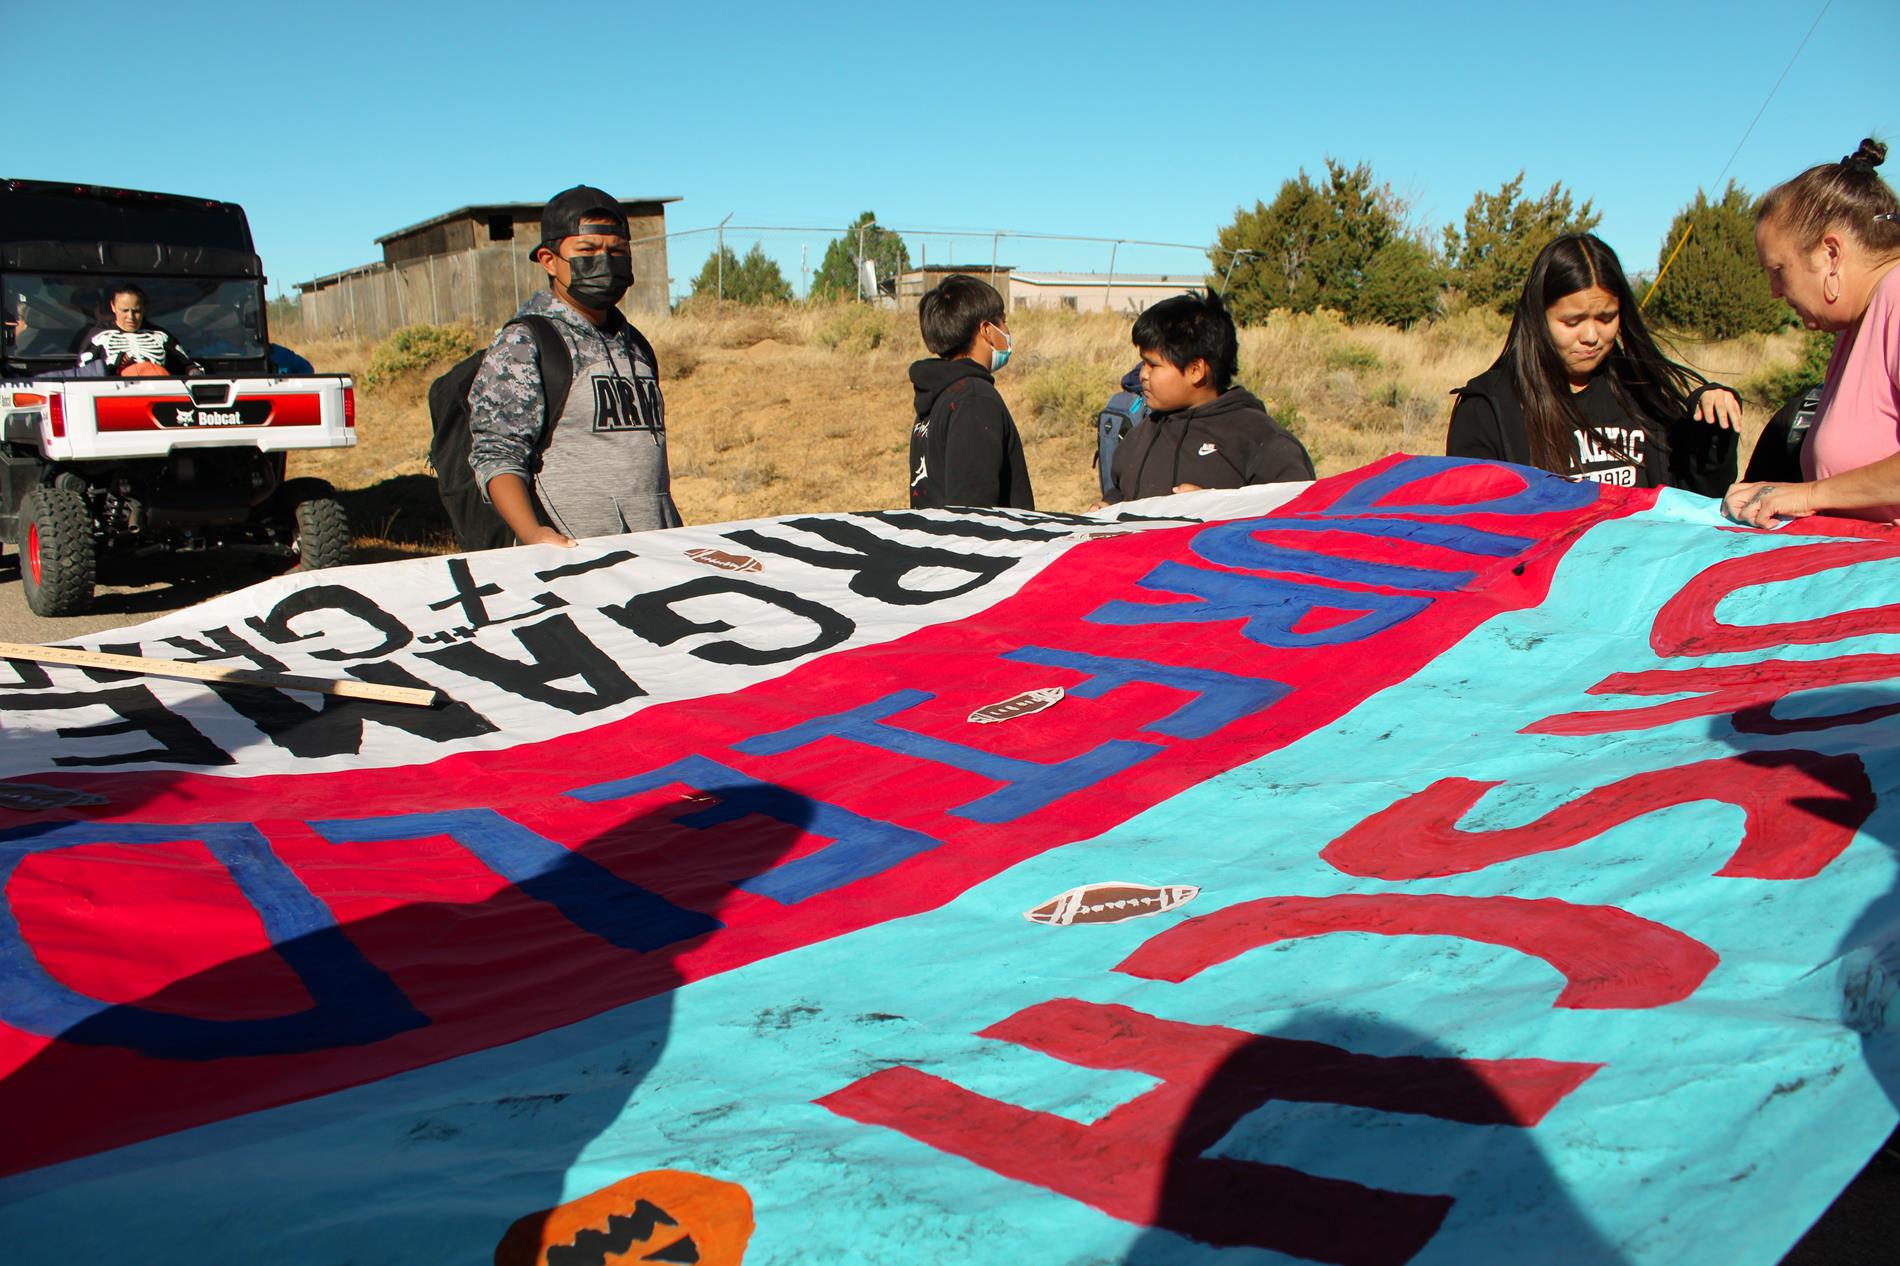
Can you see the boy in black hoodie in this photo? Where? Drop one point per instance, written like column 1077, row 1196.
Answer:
column 964, row 449
column 1205, row 432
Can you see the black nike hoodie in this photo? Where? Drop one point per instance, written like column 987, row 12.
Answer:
column 964, row 449
column 1229, row 442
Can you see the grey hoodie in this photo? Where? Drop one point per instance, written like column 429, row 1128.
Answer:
column 597, row 469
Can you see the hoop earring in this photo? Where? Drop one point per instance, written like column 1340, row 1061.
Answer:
column 1835, row 296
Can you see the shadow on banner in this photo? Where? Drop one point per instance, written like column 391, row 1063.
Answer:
column 1339, row 1139
column 1862, row 1226
column 435, row 1164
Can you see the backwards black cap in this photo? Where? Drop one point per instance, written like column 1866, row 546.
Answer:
column 565, row 210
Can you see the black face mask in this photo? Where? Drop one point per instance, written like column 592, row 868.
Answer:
column 598, row 281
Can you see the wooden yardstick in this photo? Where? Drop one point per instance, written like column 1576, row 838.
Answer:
column 411, row 695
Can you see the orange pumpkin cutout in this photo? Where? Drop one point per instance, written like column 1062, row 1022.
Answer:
column 664, row 1215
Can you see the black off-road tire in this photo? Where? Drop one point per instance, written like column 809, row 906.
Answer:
column 56, row 555
column 323, row 527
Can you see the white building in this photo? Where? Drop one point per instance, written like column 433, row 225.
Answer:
column 1098, row 292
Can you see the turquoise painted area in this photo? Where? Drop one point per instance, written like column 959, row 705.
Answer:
column 1716, row 1130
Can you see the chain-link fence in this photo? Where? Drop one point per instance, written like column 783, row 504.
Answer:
column 484, row 287
column 1048, row 269
column 481, row 287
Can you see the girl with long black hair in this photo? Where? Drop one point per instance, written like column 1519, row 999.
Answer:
column 1582, row 390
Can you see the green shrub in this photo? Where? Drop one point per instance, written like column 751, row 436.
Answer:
column 1352, row 356
column 1775, row 387
column 1282, row 410
column 854, row 327
column 417, row 347
column 1065, row 392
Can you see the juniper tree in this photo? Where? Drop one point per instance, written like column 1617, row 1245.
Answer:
column 1310, row 247
column 1715, row 287
column 1503, row 233
column 837, row 275
column 754, row 279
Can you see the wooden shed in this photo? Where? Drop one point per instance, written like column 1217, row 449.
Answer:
column 517, row 226
column 471, row 265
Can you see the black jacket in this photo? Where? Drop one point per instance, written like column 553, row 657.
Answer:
column 1488, row 422
column 964, row 449
column 1229, row 442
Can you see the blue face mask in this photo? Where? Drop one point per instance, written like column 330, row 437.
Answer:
column 1000, row 359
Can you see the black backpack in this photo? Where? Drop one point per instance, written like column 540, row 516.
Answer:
column 1777, row 455
column 473, row 519
column 1124, row 411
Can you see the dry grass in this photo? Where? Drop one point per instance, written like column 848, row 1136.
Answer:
column 773, row 411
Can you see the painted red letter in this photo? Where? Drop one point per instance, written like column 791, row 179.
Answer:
column 1747, row 690
column 1211, row 1077
column 1801, row 809
column 1686, row 625
column 1609, row 957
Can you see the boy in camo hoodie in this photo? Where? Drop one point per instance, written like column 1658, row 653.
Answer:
column 594, row 464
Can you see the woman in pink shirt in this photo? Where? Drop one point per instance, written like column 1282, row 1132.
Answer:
column 1829, row 240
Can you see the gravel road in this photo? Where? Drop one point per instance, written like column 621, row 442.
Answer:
column 159, row 584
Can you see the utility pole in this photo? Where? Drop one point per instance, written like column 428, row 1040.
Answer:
column 860, row 261
column 722, row 255
column 804, row 268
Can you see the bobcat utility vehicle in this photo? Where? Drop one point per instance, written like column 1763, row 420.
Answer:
column 101, row 468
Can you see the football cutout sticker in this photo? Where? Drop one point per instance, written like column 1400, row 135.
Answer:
column 723, row 561
column 1111, row 903
column 1022, row 705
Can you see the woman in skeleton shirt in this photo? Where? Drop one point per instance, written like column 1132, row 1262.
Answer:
column 1581, row 389
column 128, row 341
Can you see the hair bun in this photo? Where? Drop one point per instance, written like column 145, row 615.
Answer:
column 1870, row 155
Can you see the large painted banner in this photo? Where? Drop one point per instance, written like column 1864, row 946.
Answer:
column 1440, row 863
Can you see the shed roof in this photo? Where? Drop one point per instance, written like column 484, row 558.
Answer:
column 483, row 210
column 331, row 279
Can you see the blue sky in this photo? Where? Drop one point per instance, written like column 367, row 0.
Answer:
column 335, row 123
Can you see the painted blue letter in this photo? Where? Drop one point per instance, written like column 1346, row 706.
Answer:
column 1272, row 607
column 859, row 846
column 1220, row 698
column 587, row 894
column 1027, row 786
column 352, row 1002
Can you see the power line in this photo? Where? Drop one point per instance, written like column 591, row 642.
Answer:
column 1683, row 241
column 1777, row 88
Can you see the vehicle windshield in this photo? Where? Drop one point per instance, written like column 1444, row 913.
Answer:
column 50, row 315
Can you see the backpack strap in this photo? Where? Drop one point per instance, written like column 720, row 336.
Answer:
column 557, row 363
column 1124, row 412
column 643, row 347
